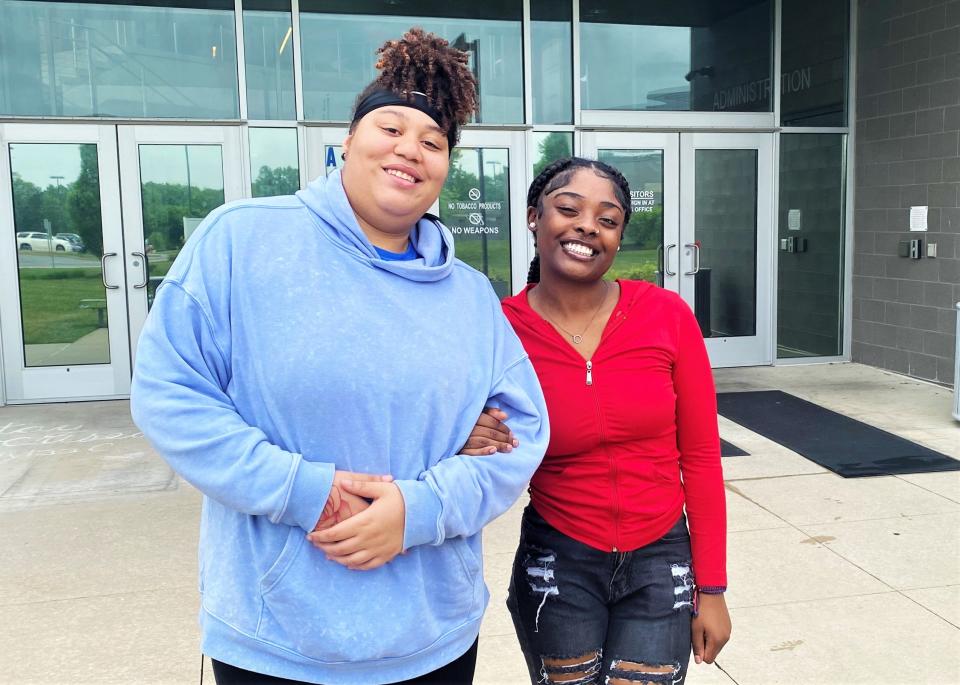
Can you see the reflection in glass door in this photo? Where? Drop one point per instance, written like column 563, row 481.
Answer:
column 483, row 203
column 702, row 226
column 726, row 234
column 173, row 177
column 62, row 307
column 179, row 186
column 59, row 236
column 649, row 162
column 475, row 206
column 641, row 254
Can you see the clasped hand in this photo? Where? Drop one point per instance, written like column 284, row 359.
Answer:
column 362, row 522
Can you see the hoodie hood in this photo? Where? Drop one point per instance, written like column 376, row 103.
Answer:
column 327, row 201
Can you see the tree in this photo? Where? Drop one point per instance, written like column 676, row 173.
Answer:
column 646, row 229
column 284, row 180
column 555, row 146
column 84, row 202
column 165, row 205
column 26, row 205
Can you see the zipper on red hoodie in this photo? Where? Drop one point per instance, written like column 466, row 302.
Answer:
column 603, row 440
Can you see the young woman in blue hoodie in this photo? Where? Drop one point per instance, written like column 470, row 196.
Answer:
column 317, row 397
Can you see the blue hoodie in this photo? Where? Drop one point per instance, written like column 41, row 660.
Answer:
column 280, row 347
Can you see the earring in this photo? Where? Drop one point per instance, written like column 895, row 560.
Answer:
column 532, row 225
column 618, row 247
column 343, row 156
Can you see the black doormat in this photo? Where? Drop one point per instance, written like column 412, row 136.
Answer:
column 728, row 449
column 847, row 447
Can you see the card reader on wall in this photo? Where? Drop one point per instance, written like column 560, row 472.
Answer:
column 910, row 248
column 793, row 244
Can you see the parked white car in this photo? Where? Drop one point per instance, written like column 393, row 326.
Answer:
column 42, row 242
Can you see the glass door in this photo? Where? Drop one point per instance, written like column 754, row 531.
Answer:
column 726, row 236
column 172, row 177
column 702, row 226
column 63, row 315
column 483, row 201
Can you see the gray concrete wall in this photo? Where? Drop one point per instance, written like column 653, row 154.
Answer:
column 908, row 120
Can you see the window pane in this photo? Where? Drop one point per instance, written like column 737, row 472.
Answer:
column 57, row 226
column 725, row 224
column 813, row 85
column 80, row 59
column 550, row 146
column 274, row 161
column 810, row 234
column 702, row 55
column 179, row 186
column 475, row 206
column 268, row 55
column 639, row 257
column 551, row 35
column 339, row 40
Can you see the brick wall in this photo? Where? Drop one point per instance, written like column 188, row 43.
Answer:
column 908, row 122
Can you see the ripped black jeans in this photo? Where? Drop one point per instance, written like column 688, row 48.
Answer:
column 583, row 616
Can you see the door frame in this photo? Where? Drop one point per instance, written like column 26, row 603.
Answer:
column 735, row 350
column 236, row 185
column 679, row 150
column 23, row 384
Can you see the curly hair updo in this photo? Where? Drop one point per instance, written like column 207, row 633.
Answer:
column 424, row 62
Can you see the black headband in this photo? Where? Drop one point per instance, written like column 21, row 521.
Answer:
column 384, row 98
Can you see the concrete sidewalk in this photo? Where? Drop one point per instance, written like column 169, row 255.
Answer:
column 832, row 581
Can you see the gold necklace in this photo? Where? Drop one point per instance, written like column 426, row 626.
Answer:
column 575, row 337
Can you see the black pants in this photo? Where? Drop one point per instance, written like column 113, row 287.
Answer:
column 457, row 672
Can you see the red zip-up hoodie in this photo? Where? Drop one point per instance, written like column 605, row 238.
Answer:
column 633, row 431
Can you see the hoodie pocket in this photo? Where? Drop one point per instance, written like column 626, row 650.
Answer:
column 325, row 612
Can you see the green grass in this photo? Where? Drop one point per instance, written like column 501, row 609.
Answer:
column 50, row 304
column 470, row 250
column 640, row 265
column 161, row 268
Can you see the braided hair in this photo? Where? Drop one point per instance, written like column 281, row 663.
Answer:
column 557, row 175
column 425, row 62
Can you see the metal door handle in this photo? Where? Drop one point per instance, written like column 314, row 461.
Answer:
column 696, row 259
column 146, row 277
column 666, row 261
column 103, row 270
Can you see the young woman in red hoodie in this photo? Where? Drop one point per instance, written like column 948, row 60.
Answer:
column 608, row 584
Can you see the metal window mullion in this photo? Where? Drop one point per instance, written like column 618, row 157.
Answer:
column 302, row 155
column 8, row 254
column 774, row 307
column 271, row 123
column 241, row 57
column 815, row 129
column 527, row 135
column 246, row 161
column 777, row 60
column 849, row 195
column 575, row 35
column 527, row 32
column 297, row 60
